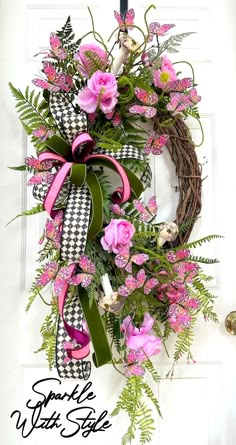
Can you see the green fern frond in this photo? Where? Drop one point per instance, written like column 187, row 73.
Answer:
column 31, row 300
column 48, row 332
column 184, row 341
column 193, row 112
column 149, row 366
column 200, row 259
column 172, row 44
column 94, row 62
column 28, row 106
column 197, row 243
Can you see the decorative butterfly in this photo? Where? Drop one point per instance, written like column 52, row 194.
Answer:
column 84, row 278
column 145, row 97
column 61, row 279
column 181, row 101
column 194, row 96
column 115, row 208
column 143, row 110
column 125, row 21
column 158, row 30
column 132, row 283
column 52, row 229
column 55, row 81
column 38, row 178
column 56, row 47
column 172, row 256
column 179, row 84
column 38, row 166
column 42, row 133
column 125, row 261
column 48, row 273
column 145, row 213
column 155, row 145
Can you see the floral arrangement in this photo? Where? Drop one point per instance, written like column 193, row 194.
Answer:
column 118, row 278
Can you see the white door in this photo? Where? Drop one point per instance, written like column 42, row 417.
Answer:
column 198, row 405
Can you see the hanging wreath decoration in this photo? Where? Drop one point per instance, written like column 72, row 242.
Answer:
column 121, row 280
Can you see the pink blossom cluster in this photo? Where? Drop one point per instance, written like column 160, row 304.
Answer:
column 176, row 291
column 140, row 341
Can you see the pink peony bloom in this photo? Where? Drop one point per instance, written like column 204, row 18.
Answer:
column 101, row 92
column 140, row 339
column 166, row 74
column 117, row 235
column 84, row 60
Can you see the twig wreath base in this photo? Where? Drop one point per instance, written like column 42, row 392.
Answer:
column 188, row 170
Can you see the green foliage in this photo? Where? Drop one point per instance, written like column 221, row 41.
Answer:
column 94, row 62
column 106, row 191
column 149, row 366
column 33, row 112
column 37, row 209
column 20, row 168
column 172, row 44
column 32, row 299
column 206, row 300
column 109, row 139
column 131, row 401
column 193, row 112
column 152, row 397
column 112, row 324
column 48, row 333
column 197, row 243
column 67, row 36
column 200, row 259
column 184, row 341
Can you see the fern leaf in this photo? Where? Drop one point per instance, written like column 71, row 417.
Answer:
column 197, row 243
column 28, row 107
column 37, row 209
column 200, row 259
column 172, row 44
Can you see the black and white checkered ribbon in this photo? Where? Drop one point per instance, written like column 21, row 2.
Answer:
column 76, row 217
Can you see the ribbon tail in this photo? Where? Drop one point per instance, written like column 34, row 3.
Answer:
column 102, row 352
column 76, row 223
column 74, row 314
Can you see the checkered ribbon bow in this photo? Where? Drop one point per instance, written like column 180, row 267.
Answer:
column 75, row 152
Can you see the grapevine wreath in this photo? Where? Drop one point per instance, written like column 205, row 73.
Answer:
column 119, row 279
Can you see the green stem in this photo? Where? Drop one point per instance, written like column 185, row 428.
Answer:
column 44, row 301
column 187, row 63
column 145, row 16
column 202, row 131
column 96, row 33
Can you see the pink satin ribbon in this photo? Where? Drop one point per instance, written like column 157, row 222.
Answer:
column 81, row 337
column 122, row 194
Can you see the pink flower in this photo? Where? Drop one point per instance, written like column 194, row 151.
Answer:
column 117, row 235
column 166, row 74
column 140, row 339
column 101, row 92
column 86, row 61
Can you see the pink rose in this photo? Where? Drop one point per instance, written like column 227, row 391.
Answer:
column 166, row 74
column 85, row 61
column 101, row 91
column 139, row 339
column 117, row 235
